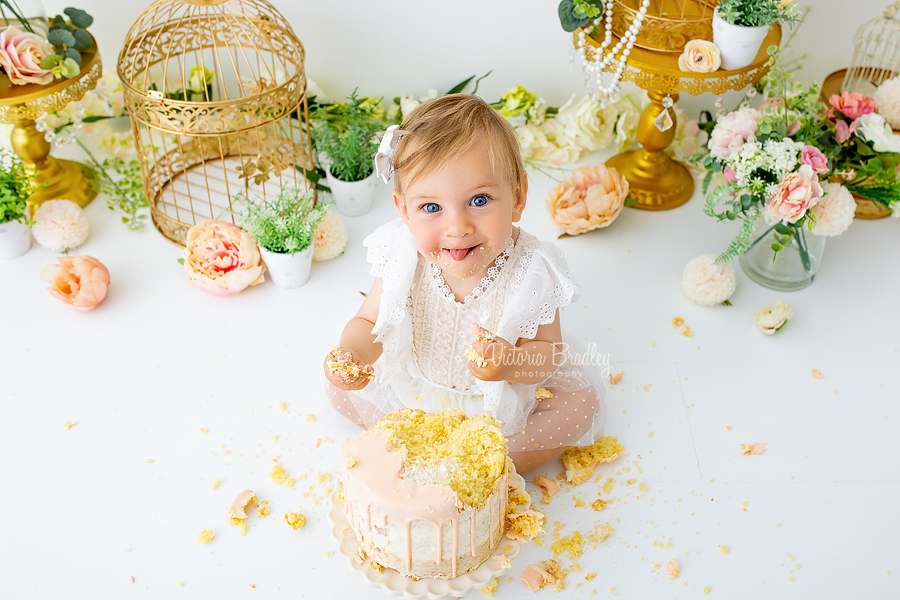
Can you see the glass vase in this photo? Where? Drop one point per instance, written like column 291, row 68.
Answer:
column 792, row 268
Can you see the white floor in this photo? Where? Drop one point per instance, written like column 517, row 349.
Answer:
column 813, row 517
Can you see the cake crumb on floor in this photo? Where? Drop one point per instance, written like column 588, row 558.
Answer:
column 215, row 484
column 131, row 579
column 755, row 448
column 705, row 589
column 614, row 379
column 295, row 520
column 672, row 569
column 491, row 588
column 816, row 374
column 205, row 536
column 69, row 424
column 724, row 549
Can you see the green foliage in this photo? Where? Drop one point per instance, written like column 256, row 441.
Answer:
column 286, row 224
column 69, row 39
column 125, row 192
column 577, row 13
column 15, row 187
column 347, row 134
column 757, row 13
column 741, row 242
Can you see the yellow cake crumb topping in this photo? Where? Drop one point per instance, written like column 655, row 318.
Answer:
column 278, row 474
column 542, row 393
column 263, row 509
column 205, row 536
column 473, row 447
column 491, row 588
column 601, row 532
column 705, row 589
column 571, row 545
column 215, row 484
column 295, row 520
column 524, row 526
column 580, row 461
column 724, row 549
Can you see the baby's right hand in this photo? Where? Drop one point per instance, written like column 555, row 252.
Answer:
column 345, row 370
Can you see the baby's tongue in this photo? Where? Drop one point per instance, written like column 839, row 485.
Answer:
column 458, row 253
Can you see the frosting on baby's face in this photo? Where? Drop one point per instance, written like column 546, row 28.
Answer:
column 461, row 216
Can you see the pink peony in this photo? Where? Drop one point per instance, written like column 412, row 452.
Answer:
column 814, row 157
column 591, row 197
column 729, row 174
column 21, row 54
column 842, row 131
column 851, row 104
column 222, row 259
column 79, row 281
column 732, row 131
column 796, row 193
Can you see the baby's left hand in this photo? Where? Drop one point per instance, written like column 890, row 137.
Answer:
column 492, row 358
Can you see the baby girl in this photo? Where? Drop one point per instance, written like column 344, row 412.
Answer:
column 464, row 310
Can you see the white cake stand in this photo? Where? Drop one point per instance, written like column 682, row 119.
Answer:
column 397, row 585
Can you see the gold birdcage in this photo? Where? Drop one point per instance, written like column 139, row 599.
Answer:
column 668, row 24
column 876, row 52
column 216, row 92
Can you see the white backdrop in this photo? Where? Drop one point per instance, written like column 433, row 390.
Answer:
column 404, row 47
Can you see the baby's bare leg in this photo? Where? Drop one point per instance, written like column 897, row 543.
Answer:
column 555, row 425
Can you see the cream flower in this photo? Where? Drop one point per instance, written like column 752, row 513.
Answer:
column 221, row 258
column 834, row 212
column 700, row 56
column 626, row 128
column 60, row 225
column 706, row 283
column 773, row 317
column 731, row 131
column 873, row 128
column 330, row 237
column 591, row 197
column 586, row 123
column 887, row 97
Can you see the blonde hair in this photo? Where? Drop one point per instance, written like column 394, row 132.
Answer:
column 442, row 128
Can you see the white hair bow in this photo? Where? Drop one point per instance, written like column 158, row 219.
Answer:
column 384, row 159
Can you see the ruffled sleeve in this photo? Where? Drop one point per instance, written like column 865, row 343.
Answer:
column 393, row 256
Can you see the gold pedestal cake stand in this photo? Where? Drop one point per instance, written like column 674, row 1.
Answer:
column 20, row 105
column 656, row 181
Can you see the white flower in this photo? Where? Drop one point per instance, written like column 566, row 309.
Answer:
column 773, row 317
column 60, row 225
column 626, row 128
column 873, row 128
column 586, row 124
column 531, row 140
column 538, row 112
column 706, row 283
column 887, row 98
column 834, row 212
column 330, row 237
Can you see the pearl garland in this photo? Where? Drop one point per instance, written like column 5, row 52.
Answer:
column 605, row 94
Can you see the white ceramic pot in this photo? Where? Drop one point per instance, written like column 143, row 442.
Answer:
column 288, row 271
column 738, row 45
column 15, row 239
column 352, row 198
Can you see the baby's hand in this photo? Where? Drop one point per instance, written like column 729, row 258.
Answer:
column 345, row 370
column 490, row 358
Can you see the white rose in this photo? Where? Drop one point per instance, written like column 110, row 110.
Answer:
column 773, row 317
column 407, row 104
column 588, row 125
column 531, row 138
column 626, row 129
column 706, row 283
column 873, row 128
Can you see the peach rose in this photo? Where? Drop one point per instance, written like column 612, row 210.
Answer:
column 21, row 54
column 852, row 104
column 797, row 192
column 80, row 281
column 222, row 259
column 700, row 56
column 591, row 197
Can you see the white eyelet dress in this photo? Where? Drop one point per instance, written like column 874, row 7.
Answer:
column 424, row 334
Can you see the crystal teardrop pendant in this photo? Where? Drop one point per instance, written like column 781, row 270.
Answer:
column 663, row 120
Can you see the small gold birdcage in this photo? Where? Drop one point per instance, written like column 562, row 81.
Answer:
column 668, row 24
column 216, row 92
column 876, row 52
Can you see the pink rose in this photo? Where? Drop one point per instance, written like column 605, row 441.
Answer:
column 796, row 193
column 852, row 104
column 814, row 157
column 80, row 281
column 222, row 259
column 591, row 197
column 729, row 174
column 21, row 54
column 732, row 131
column 842, row 131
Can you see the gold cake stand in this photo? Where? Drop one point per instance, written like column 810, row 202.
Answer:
column 656, row 181
column 20, row 105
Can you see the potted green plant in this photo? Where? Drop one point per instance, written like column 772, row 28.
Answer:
column 15, row 188
column 346, row 141
column 284, row 228
column 740, row 26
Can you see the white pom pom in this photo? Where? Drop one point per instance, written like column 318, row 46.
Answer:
column 706, row 283
column 834, row 212
column 60, row 225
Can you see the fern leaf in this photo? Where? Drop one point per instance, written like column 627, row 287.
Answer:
column 741, row 242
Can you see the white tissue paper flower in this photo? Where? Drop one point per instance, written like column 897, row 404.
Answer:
column 773, row 317
column 887, row 98
column 60, row 225
column 330, row 237
column 834, row 212
column 706, row 283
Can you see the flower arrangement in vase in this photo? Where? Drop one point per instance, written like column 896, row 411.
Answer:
column 771, row 160
column 346, row 134
column 740, row 26
column 15, row 187
column 285, row 229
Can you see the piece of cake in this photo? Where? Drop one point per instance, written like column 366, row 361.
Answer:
column 580, row 461
column 426, row 493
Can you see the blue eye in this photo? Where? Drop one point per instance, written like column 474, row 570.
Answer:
column 431, row 207
column 479, row 200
